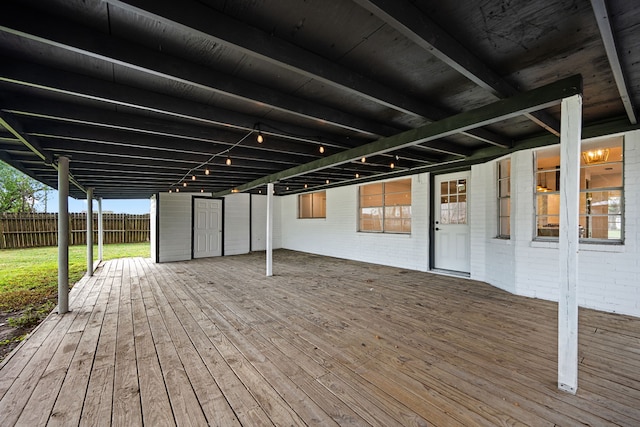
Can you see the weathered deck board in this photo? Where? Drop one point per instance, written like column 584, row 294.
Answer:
column 323, row 342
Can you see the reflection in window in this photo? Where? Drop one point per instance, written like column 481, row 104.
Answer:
column 385, row 207
column 601, row 191
column 453, row 202
column 312, row 205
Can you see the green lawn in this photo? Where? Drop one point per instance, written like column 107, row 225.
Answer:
column 29, row 277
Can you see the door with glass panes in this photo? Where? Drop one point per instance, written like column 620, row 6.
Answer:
column 451, row 227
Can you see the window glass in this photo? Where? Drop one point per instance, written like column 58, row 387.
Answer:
column 312, row 205
column 601, row 191
column 386, row 207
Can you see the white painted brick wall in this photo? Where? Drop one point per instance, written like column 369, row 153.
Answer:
column 337, row 235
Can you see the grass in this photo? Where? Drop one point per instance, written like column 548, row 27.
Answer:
column 29, row 277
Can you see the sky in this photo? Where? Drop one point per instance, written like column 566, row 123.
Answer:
column 108, row 205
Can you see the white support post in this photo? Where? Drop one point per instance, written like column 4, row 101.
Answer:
column 89, row 231
column 570, row 135
column 269, row 229
column 63, row 234
column 100, row 230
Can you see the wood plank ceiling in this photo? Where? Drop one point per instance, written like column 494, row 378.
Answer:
column 144, row 95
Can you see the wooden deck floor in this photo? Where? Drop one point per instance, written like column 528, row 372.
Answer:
column 323, row 342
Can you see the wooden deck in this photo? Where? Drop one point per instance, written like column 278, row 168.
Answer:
column 323, row 342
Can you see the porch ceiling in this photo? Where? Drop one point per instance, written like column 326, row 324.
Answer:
column 144, row 94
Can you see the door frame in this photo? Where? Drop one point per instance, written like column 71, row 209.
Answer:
column 432, row 211
column 193, row 221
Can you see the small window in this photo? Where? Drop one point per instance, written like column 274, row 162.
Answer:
column 504, row 198
column 601, row 191
column 312, row 205
column 385, row 207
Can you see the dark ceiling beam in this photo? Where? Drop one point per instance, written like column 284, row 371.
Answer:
column 416, row 26
column 260, row 44
column 165, row 147
column 51, row 80
column 604, row 24
column 43, row 108
column 62, row 115
column 520, row 104
column 63, row 34
column 15, row 128
column 32, row 143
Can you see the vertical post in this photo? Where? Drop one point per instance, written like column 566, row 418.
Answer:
column 100, row 229
column 89, row 231
column 63, row 234
column 269, row 229
column 570, row 134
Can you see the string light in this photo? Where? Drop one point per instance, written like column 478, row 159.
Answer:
column 305, row 186
column 364, row 159
column 321, row 149
column 228, row 161
column 260, row 138
column 170, row 191
column 357, row 175
column 184, row 184
column 327, row 181
column 206, row 171
column 177, row 190
column 193, row 177
column 392, row 165
column 202, row 190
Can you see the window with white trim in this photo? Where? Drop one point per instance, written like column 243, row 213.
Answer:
column 312, row 205
column 504, row 199
column 601, row 191
column 385, row 207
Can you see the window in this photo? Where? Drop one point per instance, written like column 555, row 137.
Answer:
column 385, row 207
column 312, row 205
column 601, row 191
column 504, row 198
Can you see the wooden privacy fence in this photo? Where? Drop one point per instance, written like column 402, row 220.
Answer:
column 41, row 229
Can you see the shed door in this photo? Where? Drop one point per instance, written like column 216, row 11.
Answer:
column 207, row 228
column 451, row 234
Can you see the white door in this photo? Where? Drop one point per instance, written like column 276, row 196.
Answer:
column 451, row 234
column 207, row 227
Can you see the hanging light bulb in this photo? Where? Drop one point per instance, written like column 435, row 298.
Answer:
column 327, row 181
column 228, row 161
column 260, row 138
column 357, row 175
column 321, row 149
column 170, row 191
column 392, row 165
column 202, row 190
column 206, row 171
column 305, row 186
column 287, row 188
column 364, row 159
column 177, row 190
column 193, row 178
column 184, row 184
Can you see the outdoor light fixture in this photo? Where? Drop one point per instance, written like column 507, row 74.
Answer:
column 595, row 156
